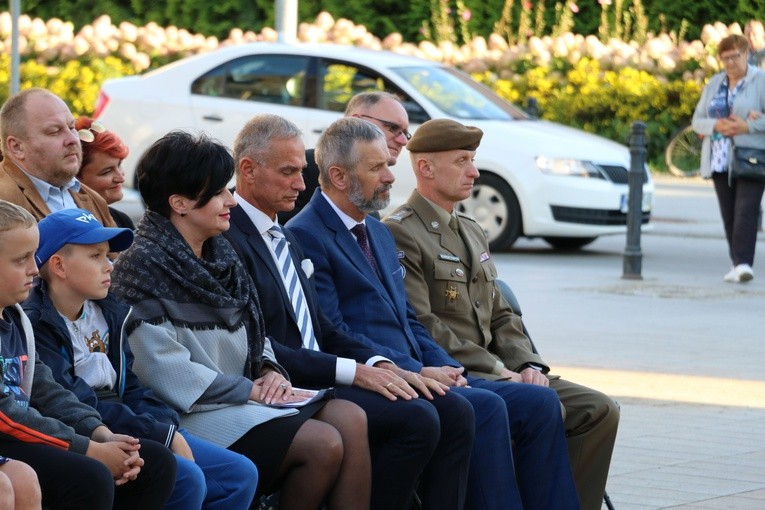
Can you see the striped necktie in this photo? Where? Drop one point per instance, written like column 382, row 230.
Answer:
column 293, row 286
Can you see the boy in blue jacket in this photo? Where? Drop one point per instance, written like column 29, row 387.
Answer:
column 78, row 331
column 79, row 462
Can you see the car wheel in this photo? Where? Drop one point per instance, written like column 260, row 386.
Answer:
column 495, row 207
column 568, row 243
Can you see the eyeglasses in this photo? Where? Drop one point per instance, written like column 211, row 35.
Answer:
column 731, row 58
column 88, row 135
column 394, row 128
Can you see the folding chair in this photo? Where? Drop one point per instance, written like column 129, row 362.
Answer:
column 509, row 296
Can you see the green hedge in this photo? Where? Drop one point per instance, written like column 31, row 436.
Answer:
column 382, row 17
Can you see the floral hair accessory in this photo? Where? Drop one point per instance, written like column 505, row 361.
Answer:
column 88, row 135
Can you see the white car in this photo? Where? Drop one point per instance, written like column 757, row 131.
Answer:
column 538, row 179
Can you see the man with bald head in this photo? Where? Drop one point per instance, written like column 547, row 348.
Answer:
column 382, row 109
column 41, row 157
column 451, row 282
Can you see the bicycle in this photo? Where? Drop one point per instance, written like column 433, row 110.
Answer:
column 683, row 153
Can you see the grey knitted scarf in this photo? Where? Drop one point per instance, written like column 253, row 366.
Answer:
column 162, row 278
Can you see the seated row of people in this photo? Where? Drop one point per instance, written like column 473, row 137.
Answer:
column 219, row 314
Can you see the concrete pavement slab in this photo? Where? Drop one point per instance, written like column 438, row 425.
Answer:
column 681, row 350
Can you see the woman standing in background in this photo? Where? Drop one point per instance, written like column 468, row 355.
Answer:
column 730, row 112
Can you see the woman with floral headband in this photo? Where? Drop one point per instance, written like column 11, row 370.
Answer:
column 100, row 170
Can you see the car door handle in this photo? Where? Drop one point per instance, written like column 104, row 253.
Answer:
column 214, row 118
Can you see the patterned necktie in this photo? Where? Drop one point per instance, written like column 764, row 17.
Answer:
column 360, row 231
column 293, row 287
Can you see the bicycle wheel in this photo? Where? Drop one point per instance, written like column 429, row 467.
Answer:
column 683, row 153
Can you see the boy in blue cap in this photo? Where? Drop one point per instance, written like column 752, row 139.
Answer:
column 79, row 462
column 78, row 329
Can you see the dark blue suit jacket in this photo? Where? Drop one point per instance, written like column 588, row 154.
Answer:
column 374, row 311
column 307, row 368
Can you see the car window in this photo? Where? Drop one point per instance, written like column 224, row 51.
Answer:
column 263, row 78
column 457, row 95
column 340, row 81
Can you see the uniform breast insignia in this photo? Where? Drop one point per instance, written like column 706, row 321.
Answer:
column 449, row 257
column 459, row 272
column 435, row 224
column 451, row 293
column 485, row 256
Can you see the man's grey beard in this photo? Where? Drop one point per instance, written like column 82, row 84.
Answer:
column 376, row 203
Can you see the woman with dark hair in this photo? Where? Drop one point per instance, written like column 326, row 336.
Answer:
column 730, row 113
column 100, row 170
column 198, row 337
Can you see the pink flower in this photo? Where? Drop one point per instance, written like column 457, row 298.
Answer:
column 466, row 14
column 527, row 5
column 574, row 8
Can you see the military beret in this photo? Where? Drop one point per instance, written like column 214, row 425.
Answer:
column 439, row 135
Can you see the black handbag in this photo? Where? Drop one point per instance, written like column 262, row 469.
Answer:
column 748, row 163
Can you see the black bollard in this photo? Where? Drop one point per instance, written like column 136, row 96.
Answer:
column 633, row 257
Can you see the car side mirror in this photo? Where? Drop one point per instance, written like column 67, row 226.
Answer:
column 532, row 108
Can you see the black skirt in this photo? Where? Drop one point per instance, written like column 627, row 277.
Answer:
column 266, row 445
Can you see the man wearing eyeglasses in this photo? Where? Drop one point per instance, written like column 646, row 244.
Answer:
column 380, row 108
column 41, row 157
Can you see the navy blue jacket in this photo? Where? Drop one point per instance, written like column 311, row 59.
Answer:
column 373, row 311
column 140, row 414
column 306, row 367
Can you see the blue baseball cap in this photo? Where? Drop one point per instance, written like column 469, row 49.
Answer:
column 77, row 226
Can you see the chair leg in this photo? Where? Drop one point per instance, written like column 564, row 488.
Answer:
column 607, row 500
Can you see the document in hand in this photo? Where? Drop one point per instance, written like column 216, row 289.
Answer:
column 301, row 397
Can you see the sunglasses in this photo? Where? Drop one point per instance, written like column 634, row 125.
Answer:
column 88, row 135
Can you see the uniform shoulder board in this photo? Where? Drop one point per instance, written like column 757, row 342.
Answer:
column 466, row 216
column 400, row 214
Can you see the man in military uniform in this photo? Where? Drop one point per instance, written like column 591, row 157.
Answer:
column 359, row 283
column 451, row 281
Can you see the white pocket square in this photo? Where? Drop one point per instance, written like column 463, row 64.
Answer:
column 307, row 266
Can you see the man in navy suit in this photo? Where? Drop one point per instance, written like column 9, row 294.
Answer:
column 411, row 438
column 361, row 290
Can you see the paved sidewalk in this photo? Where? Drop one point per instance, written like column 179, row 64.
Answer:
column 680, row 350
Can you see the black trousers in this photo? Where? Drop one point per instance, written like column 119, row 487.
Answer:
column 417, row 439
column 739, row 208
column 73, row 481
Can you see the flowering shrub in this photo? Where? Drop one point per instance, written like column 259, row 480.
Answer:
column 75, row 81
column 580, row 81
column 604, row 101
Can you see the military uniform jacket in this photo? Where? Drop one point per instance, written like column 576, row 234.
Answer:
column 452, row 287
column 15, row 187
